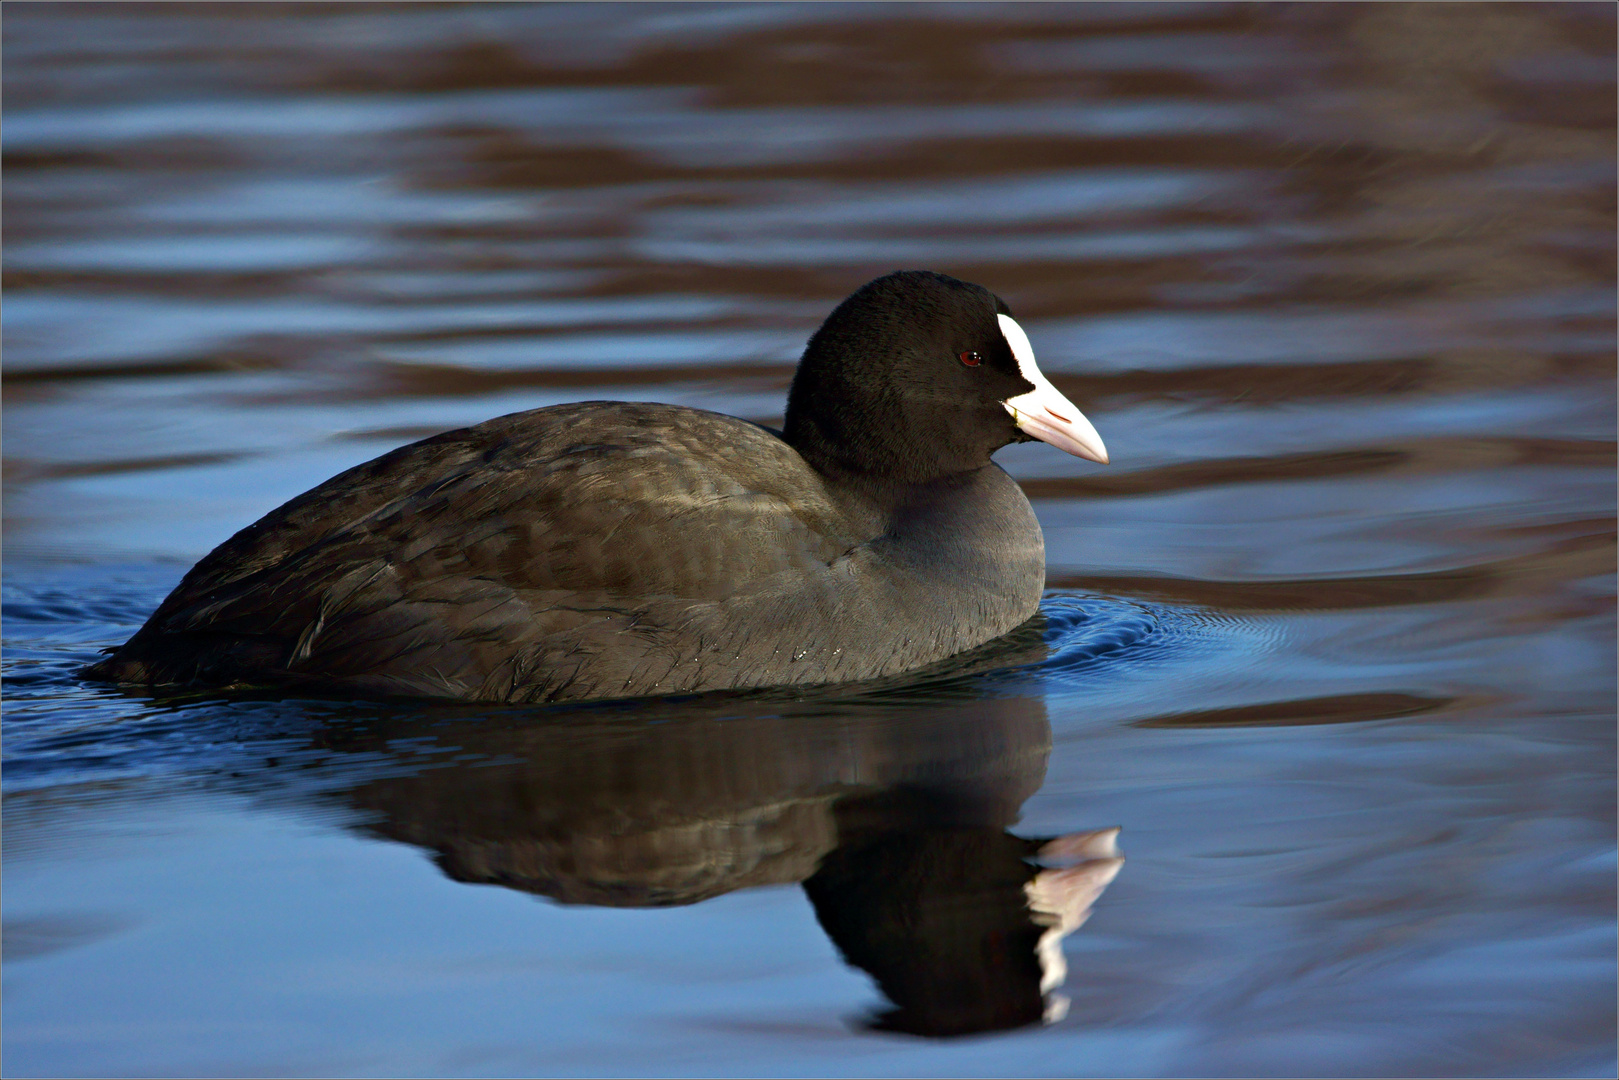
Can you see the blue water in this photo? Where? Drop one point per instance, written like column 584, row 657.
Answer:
column 1331, row 642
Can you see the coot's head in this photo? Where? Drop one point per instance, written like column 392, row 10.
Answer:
column 918, row 376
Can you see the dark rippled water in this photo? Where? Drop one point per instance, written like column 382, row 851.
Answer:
column 1332, row 639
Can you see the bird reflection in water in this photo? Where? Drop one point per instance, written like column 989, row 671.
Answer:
column 959, row 924
column 892, row 810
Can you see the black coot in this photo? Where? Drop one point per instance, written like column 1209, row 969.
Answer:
column 613, row 549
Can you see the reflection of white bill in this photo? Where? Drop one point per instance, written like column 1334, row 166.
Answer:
column 1061, row 899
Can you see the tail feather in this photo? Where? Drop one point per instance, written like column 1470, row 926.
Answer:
column 189, row 660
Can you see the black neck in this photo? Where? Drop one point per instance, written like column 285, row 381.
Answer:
column 849, row 441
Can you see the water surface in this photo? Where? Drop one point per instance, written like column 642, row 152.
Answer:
column 1332, row 640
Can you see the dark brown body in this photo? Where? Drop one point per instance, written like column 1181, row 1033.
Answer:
column 597, row 550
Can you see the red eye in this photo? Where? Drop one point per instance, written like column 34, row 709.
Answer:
column 971, row 359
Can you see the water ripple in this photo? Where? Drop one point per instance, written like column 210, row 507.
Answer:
column 1094, row 637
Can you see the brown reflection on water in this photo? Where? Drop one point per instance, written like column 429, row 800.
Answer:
column 1586, row 554
column 896, row 825
column 1428, row 456
column 1343, row 709
column 1335, row 282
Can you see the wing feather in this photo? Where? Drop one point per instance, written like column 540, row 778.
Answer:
column 508, row 559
